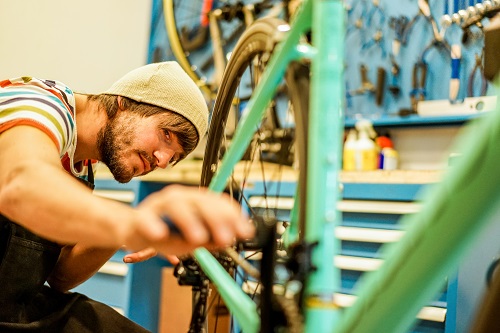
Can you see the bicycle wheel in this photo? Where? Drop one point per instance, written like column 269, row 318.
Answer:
column 201, row 48
column 192, row 41
column 262, row 184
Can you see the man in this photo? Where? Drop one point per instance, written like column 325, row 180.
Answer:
column 53, row 229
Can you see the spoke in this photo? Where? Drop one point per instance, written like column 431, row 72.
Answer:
column 245, row 281
column 249, row 269
column 255, row 290
column 264, row 183
column 217, row 316
column 209, row 307
column 190, row 13
column 240, row 190
column 253, row 254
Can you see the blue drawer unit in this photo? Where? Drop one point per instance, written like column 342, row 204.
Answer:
column 110, row 284
column 371, row 213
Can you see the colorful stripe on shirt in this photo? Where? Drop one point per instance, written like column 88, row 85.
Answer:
column 48, row 105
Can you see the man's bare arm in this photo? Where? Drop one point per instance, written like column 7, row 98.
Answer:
column 76, row 264
column 37, row 193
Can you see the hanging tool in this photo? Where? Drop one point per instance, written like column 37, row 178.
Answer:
column 477, row 70
column 366, row 85
column 394, row 88
column 425, row 12
column 376, row 9
column 456, row 55
column 484, row 10
column 379, row 89
column 420, row 68
column 419, row 78
column 377, row 39
column 358, row 9
column 417, row 94
column 399, row 25
column 425, row 9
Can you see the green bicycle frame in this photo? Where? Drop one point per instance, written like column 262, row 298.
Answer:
column 414, row 268
column 326, row 128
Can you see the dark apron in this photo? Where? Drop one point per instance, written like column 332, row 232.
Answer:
column 28, row 305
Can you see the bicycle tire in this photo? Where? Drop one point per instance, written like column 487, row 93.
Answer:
column 254, row 41
column 257, row 43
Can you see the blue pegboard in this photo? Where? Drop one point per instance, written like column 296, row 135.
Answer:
column 372, row 26
column 403, row 20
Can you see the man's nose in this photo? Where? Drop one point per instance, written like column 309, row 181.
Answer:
column 163, row 157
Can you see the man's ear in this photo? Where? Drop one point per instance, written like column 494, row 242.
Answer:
column 119, row 100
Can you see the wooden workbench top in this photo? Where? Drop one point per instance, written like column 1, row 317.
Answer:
column 189, row 172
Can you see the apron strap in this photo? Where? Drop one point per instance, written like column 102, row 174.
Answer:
column 90, row 175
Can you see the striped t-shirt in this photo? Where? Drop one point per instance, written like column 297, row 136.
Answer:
column 45, row 104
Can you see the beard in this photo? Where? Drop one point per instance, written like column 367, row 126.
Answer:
column 111, row 147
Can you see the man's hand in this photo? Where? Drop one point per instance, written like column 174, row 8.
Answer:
column 142, row 255
column 148, row 253
column 203, row 218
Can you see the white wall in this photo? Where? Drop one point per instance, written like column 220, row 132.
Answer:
column 85, row 44
column 425, row 148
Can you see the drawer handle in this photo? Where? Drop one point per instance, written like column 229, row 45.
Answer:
column 357, row 263
column 430, row 313
column 379, row 207
column 368, row 235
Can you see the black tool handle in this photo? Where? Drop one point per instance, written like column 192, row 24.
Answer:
column 171, row 226
column 379, row 90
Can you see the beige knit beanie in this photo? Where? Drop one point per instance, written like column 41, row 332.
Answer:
column 166, row 85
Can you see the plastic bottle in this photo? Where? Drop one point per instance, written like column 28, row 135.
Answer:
column 389, row 158
column 383, row 141
column 366, row 150
column 348, row 158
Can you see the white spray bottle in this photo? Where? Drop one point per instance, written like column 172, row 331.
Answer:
column 366, row 149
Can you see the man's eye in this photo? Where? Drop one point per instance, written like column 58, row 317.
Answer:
column 167, row 134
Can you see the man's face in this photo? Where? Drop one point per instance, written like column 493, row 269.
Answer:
column 131, row 145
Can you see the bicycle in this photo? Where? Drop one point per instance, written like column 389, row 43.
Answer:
column 401, row 286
